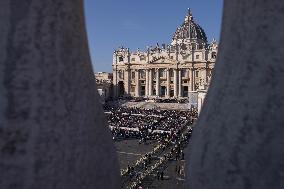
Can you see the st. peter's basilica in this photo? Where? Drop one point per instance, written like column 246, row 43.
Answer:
column 169, row 71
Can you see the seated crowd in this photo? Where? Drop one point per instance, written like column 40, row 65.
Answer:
column 147, row 124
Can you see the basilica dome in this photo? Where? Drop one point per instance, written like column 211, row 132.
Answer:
column 190, row 30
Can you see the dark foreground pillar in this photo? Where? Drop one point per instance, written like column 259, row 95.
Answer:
column 238, row 142
column 52, row 129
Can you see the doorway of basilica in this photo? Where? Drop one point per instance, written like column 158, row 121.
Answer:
column 185, row 91
column 120, row 88
column 142, row 92
column 163, row 91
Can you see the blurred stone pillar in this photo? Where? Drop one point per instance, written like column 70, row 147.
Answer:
column 239, row 138
column 53, row 133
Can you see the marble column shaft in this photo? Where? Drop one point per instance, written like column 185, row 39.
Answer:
column 137, row 84
column 157, row 82
column 193, row 79
column 147, row 83
column 190, row 80
column 127, row 79
column 175, row 83
column 179, row 83
column 150, row 82
column 168, row 83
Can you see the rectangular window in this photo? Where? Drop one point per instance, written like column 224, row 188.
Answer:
column 196, row 73
column 121, row 74
column 154, row 74
column 132, row 59
column 120, row 59
column 132, row 75
column 162, row 72
column 142, row 74
column 183, row 73
column 171, row 73
column 197, row 56
column 142, row 58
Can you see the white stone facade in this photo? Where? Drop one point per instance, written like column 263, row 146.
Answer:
column 168, row 71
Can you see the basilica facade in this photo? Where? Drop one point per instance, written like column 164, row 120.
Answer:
column 174, row 70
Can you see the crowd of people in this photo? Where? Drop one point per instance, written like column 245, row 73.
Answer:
column 159, row 100
column 145, row 124
column 173, row 153
column 169, row 128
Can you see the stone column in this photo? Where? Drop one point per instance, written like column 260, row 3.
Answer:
column 147, row 83
column 179, row 83
column 53, row 132
column 137, row 84
column 193, row 79
column 203, row 77
column 168, row 83
column 127, row 81
column 150, row 82
column 157, row 82
column 190, row 79
column 175, row 83
column 239, row 137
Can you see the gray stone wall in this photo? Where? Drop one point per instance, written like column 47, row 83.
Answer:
column 238, row 141
column 52, row 128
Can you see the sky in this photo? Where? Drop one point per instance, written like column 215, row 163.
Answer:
column 140, row 23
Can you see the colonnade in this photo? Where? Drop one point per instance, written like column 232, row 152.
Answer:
column 153, row 75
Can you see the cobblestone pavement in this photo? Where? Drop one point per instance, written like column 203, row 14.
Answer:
column 129, row 151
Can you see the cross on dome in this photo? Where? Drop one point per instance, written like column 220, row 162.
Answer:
column 189, row 16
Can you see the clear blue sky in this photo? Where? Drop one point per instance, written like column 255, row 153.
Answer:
column 138, row 23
